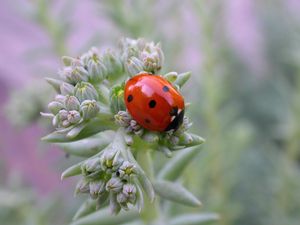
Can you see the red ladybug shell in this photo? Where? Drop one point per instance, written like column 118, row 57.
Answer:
column 154, row 103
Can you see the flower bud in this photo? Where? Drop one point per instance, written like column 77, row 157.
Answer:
column 97, row 71
column 72, row 103
column 73, row 117
column 63, row 114
column 134, row 66
column 90, row 166
column 55, row 106
column 123, row 118
column 82, row 186
column 84, row 91
column 135, row 127
column 117, row 99
column 114, row 185
column 129, row 190
column 74, row 74
column 89, row 109
column 113, row 64
column 95, row 65
column 60, row 98
column 96, row 187
column 65, row 123
column 110, row 161
column 126, row 169
column 152, row 57
column 66, row 89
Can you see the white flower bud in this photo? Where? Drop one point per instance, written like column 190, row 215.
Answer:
column 110, row 161
column 126, row 169
column 73, row 117
column 134, row 66
column 55, row 106
column 89, row 109
column 114, row 185
column 152, row 57
column 72, row 103
column 60, row 98
column 129, row 190
column 85, row 91
column 82, row 186
column 63, row 114
column 74, row 74
column 90, row 166
column 113, row 64
column 123, row 118
column 97, row 71
column 96, row 188
column 66, row 89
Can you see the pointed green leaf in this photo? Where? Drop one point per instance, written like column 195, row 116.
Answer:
column 189, row 140
column 176, row 193
column 75, row 131
column 104, row 217
column 67, row 60
column 182, row 78
column 54, row 83
column 88, row 146
column 171, row 76
column 174, row 168
column 55, row 137
column 194, row 219
column 72, row 171
column 86, row 208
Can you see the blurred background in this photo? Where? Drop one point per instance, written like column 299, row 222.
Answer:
column 245, row 93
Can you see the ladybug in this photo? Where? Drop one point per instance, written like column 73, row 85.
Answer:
column 153, row 102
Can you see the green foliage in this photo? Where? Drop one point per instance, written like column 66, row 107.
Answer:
column 248, row 170
column 117, row 171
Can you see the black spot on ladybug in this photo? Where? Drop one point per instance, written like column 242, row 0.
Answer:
column 174, row 111
column 176, row 122
column 165, row 88
column 129, row 98
column 147, row 120
column 152, row 103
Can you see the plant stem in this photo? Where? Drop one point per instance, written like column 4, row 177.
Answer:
column 151, row 210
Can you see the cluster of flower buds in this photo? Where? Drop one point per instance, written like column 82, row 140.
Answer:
column 109, row 177
column 172, row 140
column 90, row 102
column 139, row 55
column 73, row 105
column 124, row 119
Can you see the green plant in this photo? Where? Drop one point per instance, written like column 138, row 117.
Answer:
column 91, row 121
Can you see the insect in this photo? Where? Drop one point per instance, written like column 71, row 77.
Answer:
column 153, row 102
